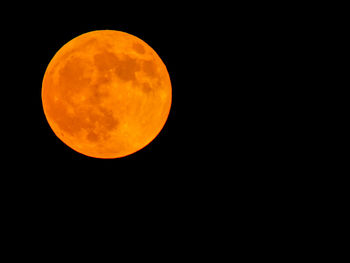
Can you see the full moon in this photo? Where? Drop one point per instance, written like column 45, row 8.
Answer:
column 106, row 94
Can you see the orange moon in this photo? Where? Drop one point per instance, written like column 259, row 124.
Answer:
column 106, row 94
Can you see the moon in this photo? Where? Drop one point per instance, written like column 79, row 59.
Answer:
column 106, row 94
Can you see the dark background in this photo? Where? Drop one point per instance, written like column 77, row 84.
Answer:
column 228, row 164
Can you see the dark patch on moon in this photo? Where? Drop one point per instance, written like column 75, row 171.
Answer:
column 102, row 120
column 94, row 119
column 73, row 117
column 105, row 61
column 138, row 48
column 72, row 76
column 149, row 67
column 124, row 66
column 108, row 119
column 146, row 88
column 97, row 94
column 92, row 136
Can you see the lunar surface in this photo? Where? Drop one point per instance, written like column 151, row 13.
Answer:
column 106, row 94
